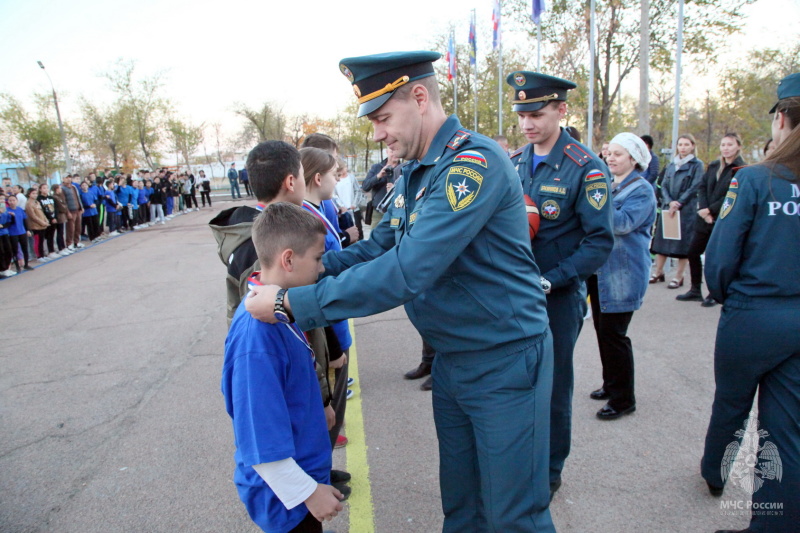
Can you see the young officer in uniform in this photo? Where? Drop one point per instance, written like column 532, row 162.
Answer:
column 570, row 185
column 751, row 267
column 454, row 247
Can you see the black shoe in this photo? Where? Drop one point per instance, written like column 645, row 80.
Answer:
column 554, row 486
column 609, row 413
column 340, row 476
column 427, row 384
column 709, row 302
column 424, row 369
column 715, row 491
column 344, row 489
column 694, row 295
column 599, row 394
column 27, row 267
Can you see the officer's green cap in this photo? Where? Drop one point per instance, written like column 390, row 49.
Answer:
column 376, row 77
column 787, row 88
column 533, row 91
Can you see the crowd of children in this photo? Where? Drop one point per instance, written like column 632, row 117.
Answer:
column 45, row 223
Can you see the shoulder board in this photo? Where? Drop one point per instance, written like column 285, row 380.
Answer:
column 577, row 154
column 458, row 139
column 734, row 170
column 517, row 152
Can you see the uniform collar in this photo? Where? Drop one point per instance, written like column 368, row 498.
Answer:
column 556, row 154
column 440, row 140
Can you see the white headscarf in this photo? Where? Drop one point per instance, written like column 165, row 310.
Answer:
column 635, row 147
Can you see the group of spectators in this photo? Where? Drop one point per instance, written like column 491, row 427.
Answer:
column 44, row 222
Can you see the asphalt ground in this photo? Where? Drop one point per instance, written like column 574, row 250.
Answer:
column 112, row 419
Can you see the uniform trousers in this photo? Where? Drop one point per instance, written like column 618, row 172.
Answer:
column 565, row 310
column 616, row 350
column 491, row 410
column 759, row 348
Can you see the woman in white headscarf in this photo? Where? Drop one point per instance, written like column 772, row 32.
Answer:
column 617, row 289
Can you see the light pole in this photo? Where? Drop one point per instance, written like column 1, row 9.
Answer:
column 60, row 125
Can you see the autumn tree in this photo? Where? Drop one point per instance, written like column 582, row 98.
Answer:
column 109, row 133
column 30, row 137
column 143, row 97
column 566, row 30
column 264, row 123
column 185, row 138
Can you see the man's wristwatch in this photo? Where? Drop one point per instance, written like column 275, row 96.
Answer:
column 281, row 313
column 546, row 286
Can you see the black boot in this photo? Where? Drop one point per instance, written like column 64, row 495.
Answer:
column 694, row 295
column 709, row 301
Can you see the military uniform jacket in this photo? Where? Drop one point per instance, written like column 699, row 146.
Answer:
column 453, row 247
column 753, row 254
column 571, row 189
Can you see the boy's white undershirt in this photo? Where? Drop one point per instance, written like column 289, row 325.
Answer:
column 287, row 480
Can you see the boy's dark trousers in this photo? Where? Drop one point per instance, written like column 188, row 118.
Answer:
column 5, row 253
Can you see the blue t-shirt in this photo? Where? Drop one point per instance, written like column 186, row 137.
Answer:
column 143, row 196
column 111, row 201
column 272, row 395
column 332, row 242
column 18, row 227
column 87, row 199
column 5, row 220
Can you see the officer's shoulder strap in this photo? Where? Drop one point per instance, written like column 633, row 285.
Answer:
column 458, row 139
column 516, row 152
column 577, row 154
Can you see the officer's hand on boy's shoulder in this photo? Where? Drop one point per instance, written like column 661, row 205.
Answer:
column 260, row 303
column 324, row 503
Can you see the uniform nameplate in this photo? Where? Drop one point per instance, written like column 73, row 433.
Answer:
column 395, row 223
column 557, row 190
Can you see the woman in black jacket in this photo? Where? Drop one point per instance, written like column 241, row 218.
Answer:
column 710, row 196
column 677, row 195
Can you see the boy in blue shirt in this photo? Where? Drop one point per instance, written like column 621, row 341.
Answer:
column 283, row 454
column 18, row 232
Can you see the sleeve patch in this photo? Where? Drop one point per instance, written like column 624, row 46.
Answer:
column 727, row 205
column 597, row 194
column 462, row 186
column 594, row 175
column 734, row 183
column 577, row 154
column 458, row 139
column 471, row 156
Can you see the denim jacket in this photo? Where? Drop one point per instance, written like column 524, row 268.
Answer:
column 622, row 280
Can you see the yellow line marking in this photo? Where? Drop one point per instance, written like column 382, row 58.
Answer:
column 360, row 500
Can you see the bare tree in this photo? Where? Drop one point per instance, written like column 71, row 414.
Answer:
column 147, row 105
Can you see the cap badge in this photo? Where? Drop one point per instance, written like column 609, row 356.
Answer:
column 357, row 91
column 519, row 79
column 347, row 73
column 522, row 95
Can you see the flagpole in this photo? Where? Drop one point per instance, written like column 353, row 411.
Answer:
column 474, row 64
column 499, row 85
column 590, row 118
column 676, row 111
column 455, row 75
column 538, row 46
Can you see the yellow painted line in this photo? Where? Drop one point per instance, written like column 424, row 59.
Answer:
column 360, row 501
